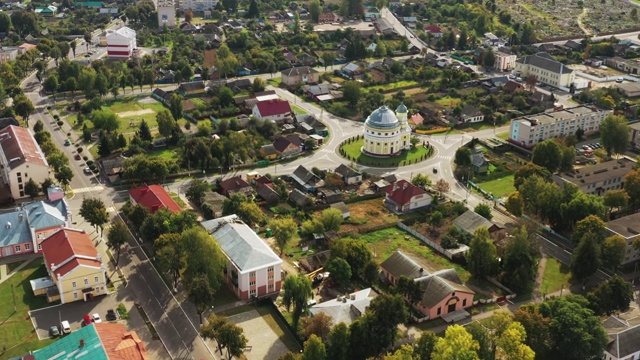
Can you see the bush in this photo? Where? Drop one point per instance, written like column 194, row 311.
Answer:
column 48, row 107
column 124, row 314
column 60, row 122
column 80, row 150
column 85, row 158
column 89, row 162
column 68, row 134
column 92, row 167
column 187, row 125
column 56, row 116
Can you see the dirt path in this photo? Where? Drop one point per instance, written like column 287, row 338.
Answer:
column 541, row 266
column 135, row 113
column 586, row 31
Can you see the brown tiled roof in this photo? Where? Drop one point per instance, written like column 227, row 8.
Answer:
column 69, row 243
column 19, row 146
column 402, row 192
column 120, row 344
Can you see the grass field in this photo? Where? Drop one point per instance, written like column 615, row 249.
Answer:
column 503, row 136
column 383, row 243
column 298, row 110
column 448, row 102
column 16, row 329
column 499, row 187
column 394, row 85
column 353, row 151
column 128, row 123
column 556, row 276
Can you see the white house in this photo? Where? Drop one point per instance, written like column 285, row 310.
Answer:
column 253, row 270
column 504, row 61
column 166, row 13
column 403, row 197
column 121, row 42
column 21, row 159
column 275, row 110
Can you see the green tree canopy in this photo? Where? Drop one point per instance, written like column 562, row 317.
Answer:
column 462, row 157
column 482, row 258
column 297, row 290
column 340, row 270
column 94, row 212
column 483, row 210
column 586, row 258
column 314, row 349
column 331, row 219
column 105, row 120
column 548, row 154
column 456, row 344
column 614, row 134
column 283, row 231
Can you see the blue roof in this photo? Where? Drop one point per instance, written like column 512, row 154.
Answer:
column 382, row 118
column 401, row 109
column 14, row 230
column 44, row 215
column 69, row 347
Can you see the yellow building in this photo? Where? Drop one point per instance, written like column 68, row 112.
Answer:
column 386, row 133
column 74, row 265
column 546, row 69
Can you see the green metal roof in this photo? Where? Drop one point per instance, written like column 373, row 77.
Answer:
column 69, row 347
column 89, row 3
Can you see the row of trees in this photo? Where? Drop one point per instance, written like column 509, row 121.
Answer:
column 57, row 160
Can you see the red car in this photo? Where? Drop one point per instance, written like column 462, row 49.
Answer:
column 86, row 320
column 77, row 157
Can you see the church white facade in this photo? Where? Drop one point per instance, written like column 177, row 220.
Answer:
column 386, row 133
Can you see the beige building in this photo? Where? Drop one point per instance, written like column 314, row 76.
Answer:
column 629, row 228
column 504, row 61
column 166, row 13
column 74, row 265
column 599, row 178
column 8, row 53
column 301, row 74
column 21, row 159
column 634, row 138
column 629, row 89
column 527, row 131
column 546, row 69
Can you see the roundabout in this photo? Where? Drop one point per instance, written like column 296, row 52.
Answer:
column 351, row 150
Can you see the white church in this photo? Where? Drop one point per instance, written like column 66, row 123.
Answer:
column 385, row 133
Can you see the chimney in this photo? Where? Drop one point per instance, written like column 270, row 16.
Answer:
column 21, row 217
column 81, row 342
column 395, row 186
column 404, row 186
column 8, row 226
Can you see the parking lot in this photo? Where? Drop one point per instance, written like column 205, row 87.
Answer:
column 44, row 319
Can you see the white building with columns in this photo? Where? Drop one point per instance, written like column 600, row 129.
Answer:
column 386, row 133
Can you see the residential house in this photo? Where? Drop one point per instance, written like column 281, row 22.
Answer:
column 318, row 127
column 434, row 30
column 95, row 341
column 328, row 17
column 634, row 138
column 277, row 111
column 121, row 42
column 471, row 221
column 351, row 70
column 344, row 209
column 574, row 45
column 629, row 228
column 300, row 74
column 349, row 176
column 371, row 14
column 599, row 178
column 403, row 197
column 215, row 202
column 193, row 88
column 471, row 114
column 21, row 159
column 8, row 54
column 307, row 60
column 47, row 11
column 288, row 146
column 623, row 340
column 289, row 56
column 160, row 95
column 306, row 180
column 512, row 87
column 442, row 292
column 24, row 47
column 546, row 69
column 479, row 162
column 7, row 121
column 629, row 89
column 197, row 5
column 330, row 196
column 384, row 26
column 234, row 185
column 261, row 181
column 253, row 270
column 239, row 84
column 113, row 169
column 269, row 152
column 345, row 308
column 415, row 121
column 528, row 130
column 269, row 194
column 74, row 265
column 299, row 199
column 153, row 198
column 166, row 10
column 505, row 62
column 89, row 4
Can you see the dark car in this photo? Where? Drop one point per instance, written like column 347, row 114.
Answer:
column 111, row 315
column 54, row 331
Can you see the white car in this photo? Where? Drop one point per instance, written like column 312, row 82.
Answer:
column 96, row 318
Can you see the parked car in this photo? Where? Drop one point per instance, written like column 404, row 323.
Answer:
column 66, row 328
column 87, row 171
column 67, row 142
column 77, row 157
column 111, row 315
column 54, row 331
column 86, row 320
column 619, row 80
column 96, row 318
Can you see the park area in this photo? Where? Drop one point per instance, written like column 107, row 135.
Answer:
column 556, row 276
column 17, row 335
column 353, row 151
column 130, row 112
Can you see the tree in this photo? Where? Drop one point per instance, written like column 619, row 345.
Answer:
column 175, row 106
column 318, row 324
column 203, row 256
column 632, row 187
column 105, row 120
column 456, row 344
column 548, row 154
column 211, row 329
column 94, row 212
column 64, row 176
column 515, row 203
column 436, row 218
column 73, row 46
column 421, row 180
column 314, row 349
column 144, row 131
column 23, row 107
column 483, row 210
column 51, row 85
column 338, row 342
column 586, row 258
column 137, row 214
column 527, row 171
column 482, row 257
column 45, row 185
column 510, row 345
column 297, row 290
column 519, row 263
column 258, row 85
column 591, row 226
column 170, row 255
column 328, row 58
column 613, row 295
column 530, row 83
column 423, row 349
column 201, row 294
column 488, row 58
column 232, row 338
column 254, row 11
column 105, row 146
column 117, row 237
column 409, row 289
column 442, row 186
column 331, row 219
column 283, row 231
column 5, row 22
column 166, row 123
column 614, row 133
column 340, row 270
column 462, row 157
column 32, row 188
column 612, row 251
column 197, row 190
column 384, row 314
column 351, row 91
column 618, row 199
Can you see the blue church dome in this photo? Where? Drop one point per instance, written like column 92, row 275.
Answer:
column 382, row 118
column 401, row 109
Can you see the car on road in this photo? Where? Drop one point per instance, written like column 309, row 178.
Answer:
column 87, row 171
column 435, row 170
column 67, row 142
column 619, row 80
column 54, row 331
column 96, row 318
column 111, row 315
column 66, row 328
column 77, row 157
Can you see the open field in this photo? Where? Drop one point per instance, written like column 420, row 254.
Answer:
column 354, row 152
column 556, row 276
column 368, row 213
column 499, row 187
column 16, row 329
column 448, row 102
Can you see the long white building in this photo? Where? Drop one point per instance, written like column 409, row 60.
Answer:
column 527, row 131
column 121, row 43
column 21, row 159
column 197, row 5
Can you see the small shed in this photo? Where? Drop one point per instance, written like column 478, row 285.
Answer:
column 343, row 208
column 39, row 286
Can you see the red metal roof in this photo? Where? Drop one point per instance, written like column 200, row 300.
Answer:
column 19, row 146
column 120, row 344
column 69, row 243
column 402, row 191
column 433, row 28
column 273, row 107
column 154, row 198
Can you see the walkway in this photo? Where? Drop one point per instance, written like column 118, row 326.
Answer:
column 3, row 268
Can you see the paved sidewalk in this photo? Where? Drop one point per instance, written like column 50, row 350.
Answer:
column 3, row 268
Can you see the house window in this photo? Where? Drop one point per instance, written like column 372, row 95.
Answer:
column 252, row 283
column 17, row 248
column 252, row 274
column 96, row 279
column 271, row 287
column 270, row 269
column 438, row 311
column 86, row 282
column 270, row 277
column 27, row 247
column 252, row 293
column 73, row 284
column 39, row 247
column 75, row 295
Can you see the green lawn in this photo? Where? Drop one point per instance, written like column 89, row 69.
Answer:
column 499, row 187
column 275, row 82
column 448, row 102
column 167, row 153
column 503, row 136
column 298, row 110
column 556, row 276
column 129, row 123
column 383, row 243
column 395, row 85
column 16, row 329
column 353, row 152
column 178, row 200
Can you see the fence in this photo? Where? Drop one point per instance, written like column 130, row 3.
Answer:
column 422, row 238
column 276, row 312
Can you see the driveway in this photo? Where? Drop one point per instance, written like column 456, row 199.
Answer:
column 74, row 312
